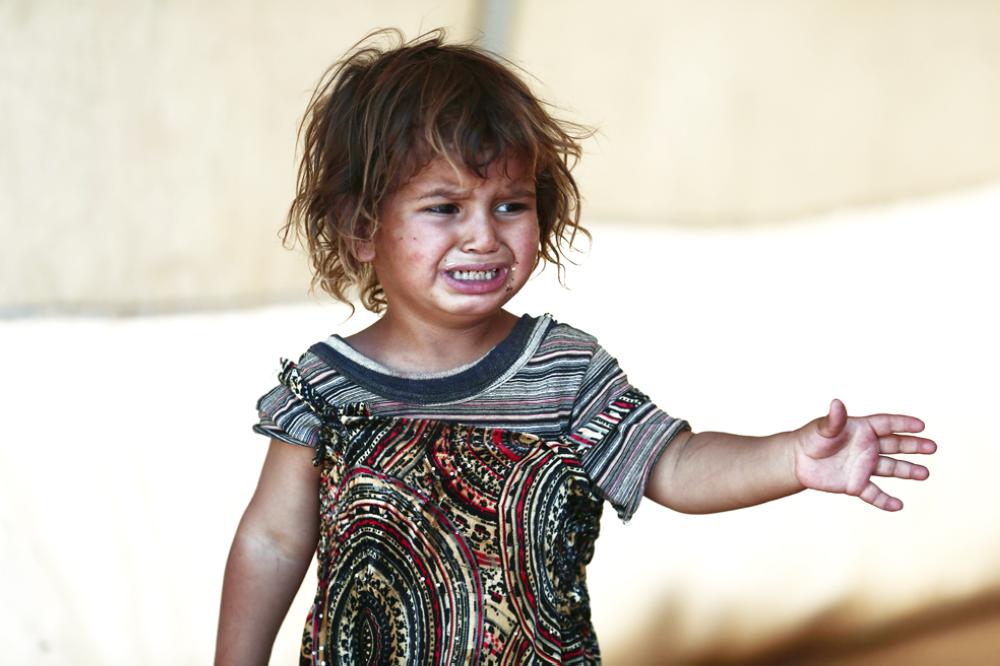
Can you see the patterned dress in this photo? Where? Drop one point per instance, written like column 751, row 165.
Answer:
column 456, row 529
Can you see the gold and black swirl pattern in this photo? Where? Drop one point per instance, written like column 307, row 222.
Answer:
column 447, row 544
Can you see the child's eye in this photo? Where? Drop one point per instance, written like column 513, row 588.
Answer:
column 442, row 209
column 512, row 207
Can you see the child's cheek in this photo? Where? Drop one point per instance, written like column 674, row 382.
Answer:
column 414, row 255
column 406, row 246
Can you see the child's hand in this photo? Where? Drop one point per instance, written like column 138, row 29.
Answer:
column 838, row 454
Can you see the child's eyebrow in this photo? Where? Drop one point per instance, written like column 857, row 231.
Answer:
column 449, row 193
column 445, row 192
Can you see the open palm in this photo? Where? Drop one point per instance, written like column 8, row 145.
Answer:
column 841, row 454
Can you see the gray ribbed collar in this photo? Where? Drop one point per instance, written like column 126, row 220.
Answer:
column 455, row 385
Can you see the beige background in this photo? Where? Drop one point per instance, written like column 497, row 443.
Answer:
column 729, row 112
column 148, row 148
column 790, row 202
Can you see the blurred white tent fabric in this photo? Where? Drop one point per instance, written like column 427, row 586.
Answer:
column 128, row 456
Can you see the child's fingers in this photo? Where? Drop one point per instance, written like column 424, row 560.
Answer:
column 886, row 424
column 905, row 444
column 900, row 469
column 877, row 498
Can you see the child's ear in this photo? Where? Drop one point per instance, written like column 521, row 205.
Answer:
column 364, row 250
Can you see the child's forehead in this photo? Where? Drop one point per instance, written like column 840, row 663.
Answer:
column 453, row 173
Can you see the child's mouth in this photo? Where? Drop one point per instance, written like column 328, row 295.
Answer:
column 473, row 280
column 474, row 276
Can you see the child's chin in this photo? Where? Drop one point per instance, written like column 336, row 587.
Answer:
column 480, row 306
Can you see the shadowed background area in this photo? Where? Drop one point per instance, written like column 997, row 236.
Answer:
column 789, row 201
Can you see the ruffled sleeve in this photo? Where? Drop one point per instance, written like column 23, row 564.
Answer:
column 285, row 413
column 620, row 433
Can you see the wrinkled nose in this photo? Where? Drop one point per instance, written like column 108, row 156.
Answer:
column 480, row 234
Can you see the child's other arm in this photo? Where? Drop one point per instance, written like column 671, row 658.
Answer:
column 712, row 471
column 271, row 551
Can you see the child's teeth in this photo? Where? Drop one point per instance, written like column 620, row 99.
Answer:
column 475, row 275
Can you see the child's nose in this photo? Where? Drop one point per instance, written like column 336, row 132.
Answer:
column 480, row 233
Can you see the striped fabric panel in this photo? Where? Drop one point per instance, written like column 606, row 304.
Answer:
column 284, row 417
column 569, row 387
column 538, row 399
column 621, row 445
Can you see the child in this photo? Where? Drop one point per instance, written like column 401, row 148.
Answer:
column 448, row 463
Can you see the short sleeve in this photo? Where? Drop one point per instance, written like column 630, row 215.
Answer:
column 621, row 433
column 284, row 415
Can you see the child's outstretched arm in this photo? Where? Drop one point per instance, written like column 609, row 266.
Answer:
column 271, row 551
column 711, row 471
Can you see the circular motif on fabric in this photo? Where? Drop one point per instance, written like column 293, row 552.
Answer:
column 402, row 584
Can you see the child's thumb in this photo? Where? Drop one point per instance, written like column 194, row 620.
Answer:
column 833, row 423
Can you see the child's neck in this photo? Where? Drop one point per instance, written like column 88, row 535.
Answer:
column 415, row 347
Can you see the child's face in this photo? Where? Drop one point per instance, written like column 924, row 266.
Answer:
column 453, row 248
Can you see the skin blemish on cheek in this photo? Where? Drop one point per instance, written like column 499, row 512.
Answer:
column 513, row 267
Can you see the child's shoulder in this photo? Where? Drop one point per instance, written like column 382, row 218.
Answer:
column 310, row 361
column 563, row 334
column 561, row 337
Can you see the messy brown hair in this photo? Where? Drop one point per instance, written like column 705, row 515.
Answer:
column 382, row 113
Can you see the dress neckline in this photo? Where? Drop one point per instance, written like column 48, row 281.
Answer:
column 455, row 385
